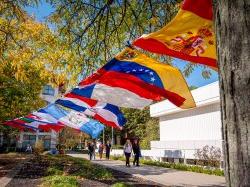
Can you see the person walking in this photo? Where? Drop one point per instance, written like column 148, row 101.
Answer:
column 90, row 150
column 108, row 149
column 127, row 151
column 100, row 150
column 94, row 147
column 28, row 149
column 137, row 152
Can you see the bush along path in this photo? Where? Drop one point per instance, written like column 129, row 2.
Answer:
column 182, row 167
column 66, row 171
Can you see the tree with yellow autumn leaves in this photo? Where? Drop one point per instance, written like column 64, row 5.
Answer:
column 31, row 55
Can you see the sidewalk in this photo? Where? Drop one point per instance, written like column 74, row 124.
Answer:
column 164, row 176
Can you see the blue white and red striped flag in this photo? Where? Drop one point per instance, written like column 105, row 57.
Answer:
column 105, row 113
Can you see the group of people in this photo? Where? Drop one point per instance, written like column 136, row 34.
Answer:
column 132, row 147
column 92, row 146
column 128, row 149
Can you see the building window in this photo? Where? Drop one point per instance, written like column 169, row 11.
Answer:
column 28, row 140
column 48, row 90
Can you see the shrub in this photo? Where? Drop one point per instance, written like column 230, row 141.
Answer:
column 208, row 156
column 39, row 147
column 178, row 166
column 121, row 184
column 55, row 170
column 60, row 181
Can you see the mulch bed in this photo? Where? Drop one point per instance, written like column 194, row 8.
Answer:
column 9, row 161
column 34, row 170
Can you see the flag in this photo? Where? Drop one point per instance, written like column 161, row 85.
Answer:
column 42, row 123
column 189, row 36
column 71, row 119
column 133, row 80
column 105, row 113
column 21, row 125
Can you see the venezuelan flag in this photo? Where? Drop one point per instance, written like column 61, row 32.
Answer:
column 189, row 36
column 134, row 80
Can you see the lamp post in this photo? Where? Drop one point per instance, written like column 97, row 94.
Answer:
column 112, row 136
column 103, row 136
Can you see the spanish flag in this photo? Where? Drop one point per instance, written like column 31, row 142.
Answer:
column 189, row 36
column 134, row 80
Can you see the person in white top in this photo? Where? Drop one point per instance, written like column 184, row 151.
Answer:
column 127, row 151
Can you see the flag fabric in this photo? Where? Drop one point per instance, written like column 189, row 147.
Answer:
column 42, row 123
column 105, row 113
column 133, row 80
column 72, row 119
column 33, row 117
column 21, row 125
column 189, row 36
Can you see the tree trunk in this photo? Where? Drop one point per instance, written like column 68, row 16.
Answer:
column 232, row 26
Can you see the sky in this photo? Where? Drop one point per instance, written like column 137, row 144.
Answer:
column 195, row 79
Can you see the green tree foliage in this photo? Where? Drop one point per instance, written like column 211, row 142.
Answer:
column 31, row 55
column 140, row 125
column 151, row 133
column 100, row 29
column 136, row 121
column 70, row 138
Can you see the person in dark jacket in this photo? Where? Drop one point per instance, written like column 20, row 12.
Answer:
column 107, row 148
column 137, row 152
column 91, row 150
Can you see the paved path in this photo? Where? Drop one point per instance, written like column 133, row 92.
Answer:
column 164, row 176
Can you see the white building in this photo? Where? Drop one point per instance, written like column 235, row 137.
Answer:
column 49, row 94
column 182, row 132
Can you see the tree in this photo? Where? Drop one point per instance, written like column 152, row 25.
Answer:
column 141, row 125
column 101, row 28
column 136, row 121
column 151, row 133
column 31, row 55
column 232, row 26
column 70, row 138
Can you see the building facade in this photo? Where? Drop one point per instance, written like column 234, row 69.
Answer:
column 183, row 132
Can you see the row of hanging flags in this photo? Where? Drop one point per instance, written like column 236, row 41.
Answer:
column 133, row 80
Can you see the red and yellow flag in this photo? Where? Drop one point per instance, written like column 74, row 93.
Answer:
column 189, row 36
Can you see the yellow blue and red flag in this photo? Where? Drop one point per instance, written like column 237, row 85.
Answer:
column 134, row 80
column 189, row 36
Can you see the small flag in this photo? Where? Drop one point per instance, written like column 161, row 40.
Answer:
column 42, row 123
column 21, row 125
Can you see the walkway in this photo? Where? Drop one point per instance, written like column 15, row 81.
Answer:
column 164, row 176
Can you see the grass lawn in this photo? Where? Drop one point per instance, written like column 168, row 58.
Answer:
column 67, row 171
